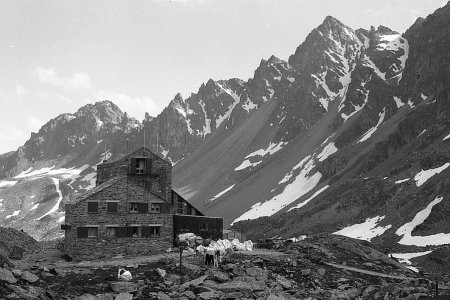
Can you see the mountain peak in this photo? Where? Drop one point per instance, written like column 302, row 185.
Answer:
column 331, row 22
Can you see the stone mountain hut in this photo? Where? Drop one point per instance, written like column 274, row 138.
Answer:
column 132, row 210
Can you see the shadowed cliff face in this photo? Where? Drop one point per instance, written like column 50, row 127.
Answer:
column 316, row 142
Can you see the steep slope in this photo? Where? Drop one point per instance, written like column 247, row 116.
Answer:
column 338, row 88
column 391, row 183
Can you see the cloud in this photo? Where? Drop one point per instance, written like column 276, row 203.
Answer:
column 34, row 123
column 20, row 91
column 185, row 2
column 134, row 106
column 49, row 76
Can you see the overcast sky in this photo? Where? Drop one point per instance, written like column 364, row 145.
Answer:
column 56, row 56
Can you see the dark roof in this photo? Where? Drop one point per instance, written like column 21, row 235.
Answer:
column 188, row 202
column 111, row 182
column 124, row 155
column 100, row 187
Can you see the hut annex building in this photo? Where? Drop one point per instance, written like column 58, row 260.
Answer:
column 132, row 210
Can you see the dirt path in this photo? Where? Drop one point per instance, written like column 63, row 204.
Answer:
column 369, row 272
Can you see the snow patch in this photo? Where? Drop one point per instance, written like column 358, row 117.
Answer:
column 369, row 132
column 65, row 173
column 56, row 206
column 366, row 61
column 310, row 198
column 365, row 231
column 207, row 127
column 424, row 175
column 236, row 99
column 249, row 105
column 271, row 149
column 419, row 218
column 327, row 151
column 15, row 213
column 222, row 192
column 404, row 258
column 302, row 184
column 398, row 102
column 7, row 183
column 446, row 138
column 402, row 180
column 34, row 206
column 246, row 164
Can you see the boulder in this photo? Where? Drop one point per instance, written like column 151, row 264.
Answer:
column 217, row 275
column 16, row 253
column 196, row 281
column 163, row 296
column 208, row 295
column 284, row 282
column 86, row 296
column 122, row 286
column 128, row 296
column 30, row 277
column 161, row 272
column 235, row 286
column 6, row 275
column 23, row 294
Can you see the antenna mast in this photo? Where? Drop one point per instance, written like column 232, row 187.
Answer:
column 144, row 135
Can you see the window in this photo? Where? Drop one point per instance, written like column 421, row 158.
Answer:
column 155, row 207
column 134, row 231
column 92, row 232
column 203, row 226
column 111, row 231
column 133, row 207
column 111, row 207
column 140, row 166
column 137, row 207
column 151, row 231
column 92, row 207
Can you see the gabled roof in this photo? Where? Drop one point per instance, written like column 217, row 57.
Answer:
column 188, row 202
column 111, row 182
column 124, row 155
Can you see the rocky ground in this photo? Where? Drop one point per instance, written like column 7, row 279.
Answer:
column 321, row 267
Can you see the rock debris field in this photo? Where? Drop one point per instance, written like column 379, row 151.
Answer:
column 320, row 267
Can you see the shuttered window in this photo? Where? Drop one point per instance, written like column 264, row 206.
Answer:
column 121, row 232
column 111, row 207
column 151, row 231
column 155, row 208
column 165, row 208
column 82, row 232
column 143, row 208
column 92, row 207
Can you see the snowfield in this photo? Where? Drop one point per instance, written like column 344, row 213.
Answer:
column 302, row 184
column 365, row 231
column 424, row 175
column 420, row 217
column 404, row 258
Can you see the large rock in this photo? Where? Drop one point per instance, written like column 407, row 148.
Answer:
column 194, row 282
column 163, row 296
column 235, row 286
column 120, row 286
column 6, row 275
column 284, row 282
column 218, row 275
column 16, row 253
column 30, row 277
column 129, row 296
column 208, row 295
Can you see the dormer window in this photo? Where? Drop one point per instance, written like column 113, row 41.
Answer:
column 140, row 166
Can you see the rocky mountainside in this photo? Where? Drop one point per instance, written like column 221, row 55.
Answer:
column 351, row 129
